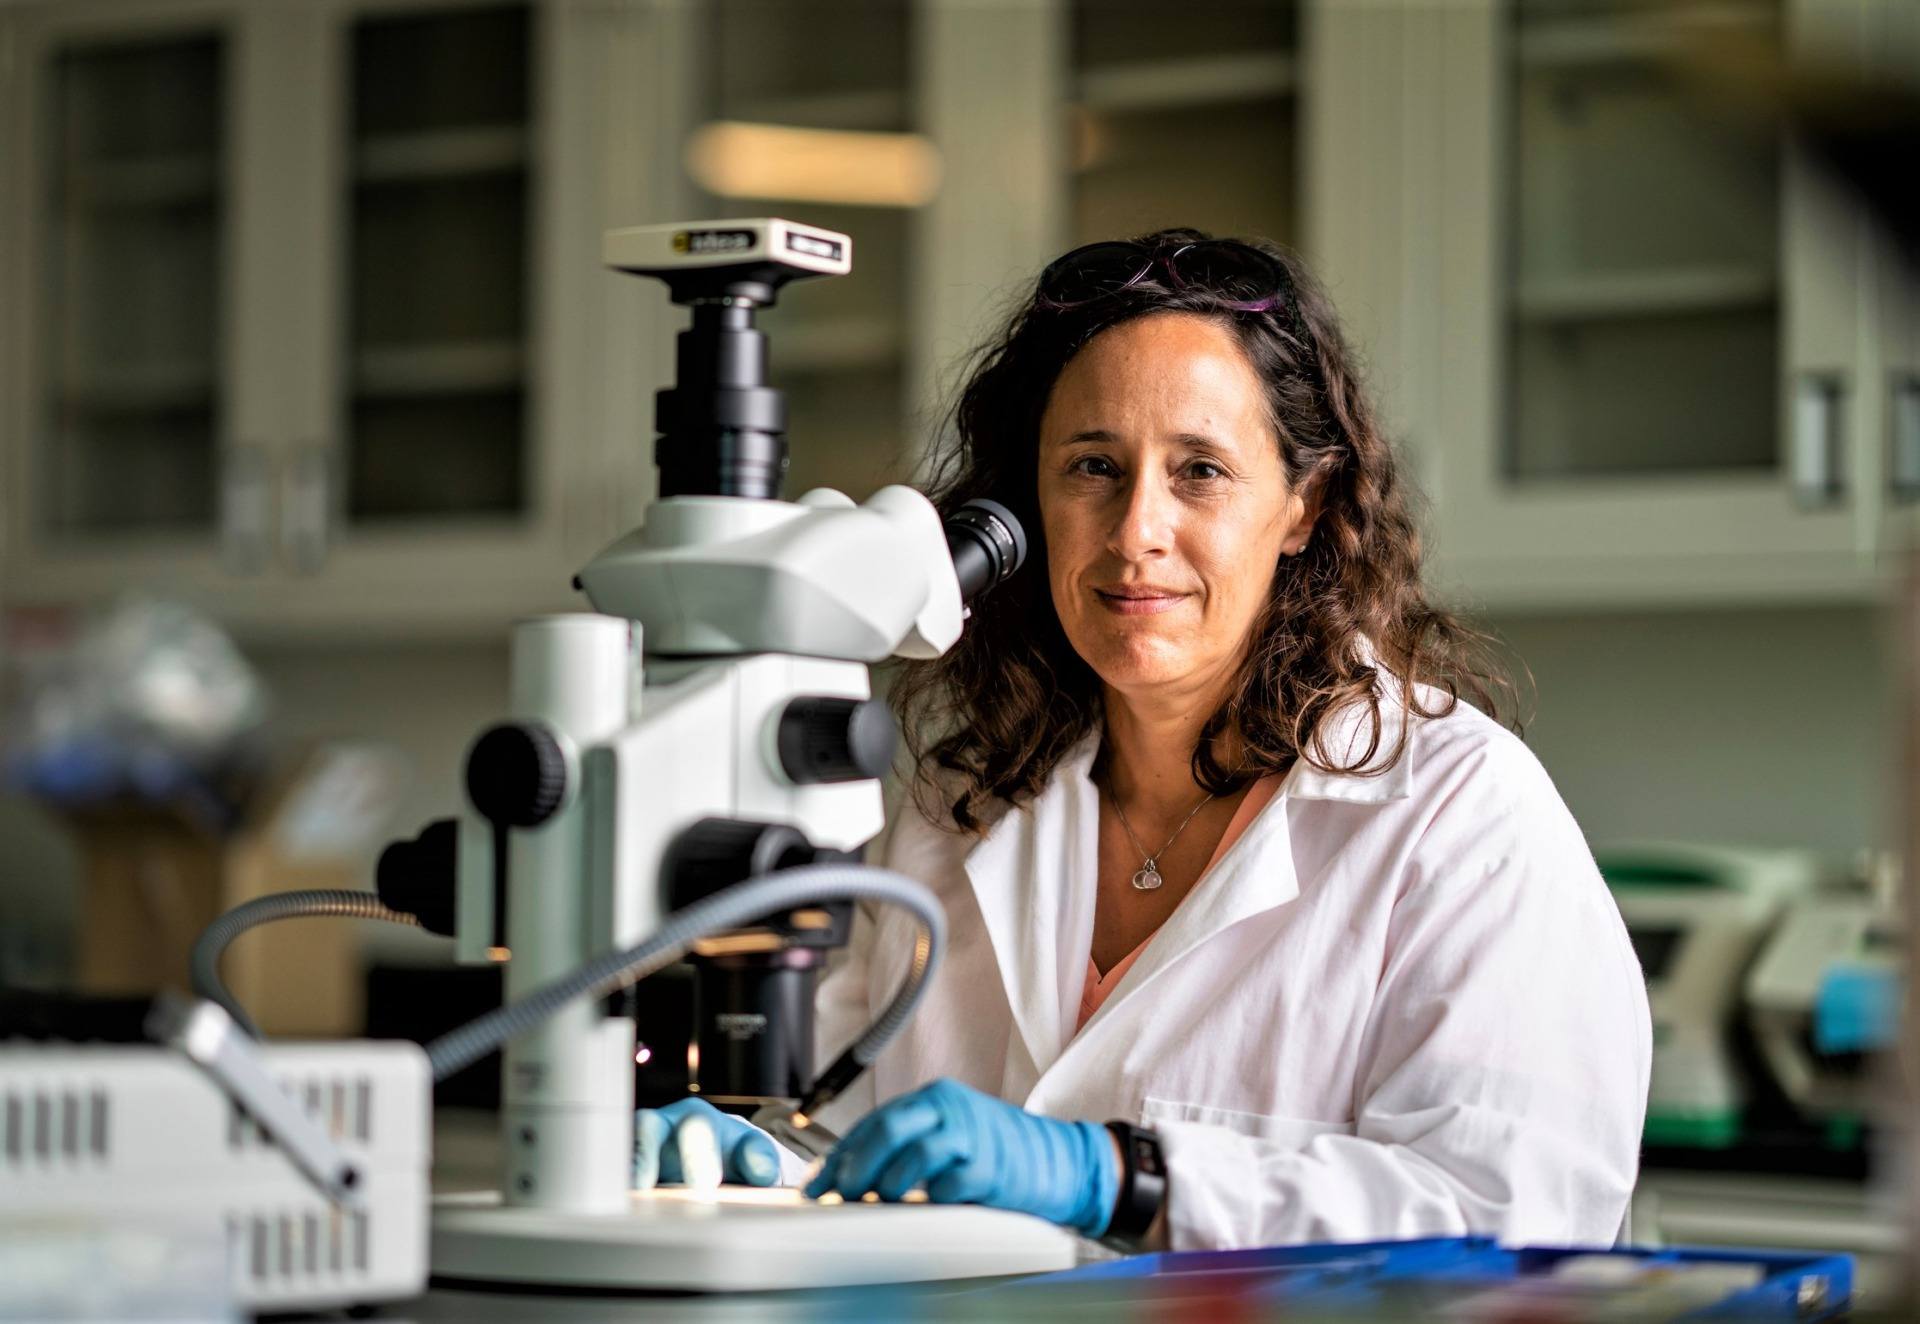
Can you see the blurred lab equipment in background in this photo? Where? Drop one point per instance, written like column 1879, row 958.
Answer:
column 1775, row 983
column 1863, row 121
column 148, row 701
column 142, row 729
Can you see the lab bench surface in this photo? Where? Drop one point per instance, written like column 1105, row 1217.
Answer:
column 1677, row 1207
column 1671, row 1207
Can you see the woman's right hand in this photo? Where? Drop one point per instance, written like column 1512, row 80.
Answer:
column 747, row 1154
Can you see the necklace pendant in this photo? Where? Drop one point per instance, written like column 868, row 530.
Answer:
column 1147, row 878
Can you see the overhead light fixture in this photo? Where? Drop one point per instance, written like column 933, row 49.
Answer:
column 734, row 159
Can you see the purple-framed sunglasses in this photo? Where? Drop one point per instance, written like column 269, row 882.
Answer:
column 1247, row 279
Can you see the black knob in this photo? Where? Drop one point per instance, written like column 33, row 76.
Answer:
column 715, row 853
column 516, row 774
column 826, row 738
column 422, row 876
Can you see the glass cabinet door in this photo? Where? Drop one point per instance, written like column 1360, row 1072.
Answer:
column 1639, row 309
column 1203, row 93
column 1644, row 311
column 129, row 264
column 439, row 202
column 836, row 346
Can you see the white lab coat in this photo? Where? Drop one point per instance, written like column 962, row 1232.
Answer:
column 1402, row 1004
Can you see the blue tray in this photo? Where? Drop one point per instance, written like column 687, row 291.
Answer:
column 1792, row 1285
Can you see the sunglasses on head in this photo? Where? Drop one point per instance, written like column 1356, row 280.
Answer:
column 1247, row 279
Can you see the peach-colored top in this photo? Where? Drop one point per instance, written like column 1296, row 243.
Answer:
column 1098, row 986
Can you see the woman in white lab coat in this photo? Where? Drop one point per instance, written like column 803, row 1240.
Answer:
column 1229, row 860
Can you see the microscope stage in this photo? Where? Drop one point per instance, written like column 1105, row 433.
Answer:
column 738, row 1239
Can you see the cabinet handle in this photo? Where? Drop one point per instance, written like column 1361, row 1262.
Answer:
column 1903, row 423
column 306, row 508
column 1819, row 439
column 246, row 509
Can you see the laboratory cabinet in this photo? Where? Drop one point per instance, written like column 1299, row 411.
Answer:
column 837, row 348
column 1893, row 308
column 305, row 318
column 1210, row 99
column 1629, row 335
column 1050, row 123
column 1062, row 122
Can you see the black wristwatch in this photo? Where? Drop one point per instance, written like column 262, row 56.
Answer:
column 1143, row 1185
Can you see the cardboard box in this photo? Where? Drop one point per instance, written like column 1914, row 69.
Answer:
column 154, row 879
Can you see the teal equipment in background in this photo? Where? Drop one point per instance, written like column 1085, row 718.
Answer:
column 1697, row 914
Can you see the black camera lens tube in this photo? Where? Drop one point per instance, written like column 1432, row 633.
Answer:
column 723, row 430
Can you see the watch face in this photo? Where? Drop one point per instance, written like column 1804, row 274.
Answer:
column 1146, row 1153
column 1143, row 1184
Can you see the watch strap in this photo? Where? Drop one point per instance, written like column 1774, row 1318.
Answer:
column 1143, row 1183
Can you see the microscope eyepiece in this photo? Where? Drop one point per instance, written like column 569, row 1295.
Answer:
column 987, row 545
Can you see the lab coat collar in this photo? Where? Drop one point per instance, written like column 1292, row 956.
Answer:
column 1032, row 875
column 1343, row 742
column 1257, row 873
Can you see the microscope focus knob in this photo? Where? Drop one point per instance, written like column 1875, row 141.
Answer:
column 516, row 774
column 827, row 738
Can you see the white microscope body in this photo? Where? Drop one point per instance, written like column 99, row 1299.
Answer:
column 714, row 722
column 700, row 741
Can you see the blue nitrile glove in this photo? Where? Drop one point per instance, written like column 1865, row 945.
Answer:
column 965, row 1147
column 747, row 1154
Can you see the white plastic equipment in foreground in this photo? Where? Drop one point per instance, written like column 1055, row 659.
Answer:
column 123, row 1161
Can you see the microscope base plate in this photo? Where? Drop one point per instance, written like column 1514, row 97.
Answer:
column 737, row 1239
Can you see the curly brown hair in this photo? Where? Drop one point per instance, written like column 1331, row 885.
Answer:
column 999, row 710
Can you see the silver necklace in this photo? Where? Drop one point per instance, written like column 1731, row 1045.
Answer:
column 1147, row 877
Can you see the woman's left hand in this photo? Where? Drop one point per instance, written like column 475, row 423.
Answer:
column 965, row 1147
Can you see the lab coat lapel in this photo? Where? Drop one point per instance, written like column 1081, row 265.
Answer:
column 1033, row 876
column 1255, row 875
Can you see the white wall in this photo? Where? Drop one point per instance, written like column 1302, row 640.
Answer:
column 1767, row 727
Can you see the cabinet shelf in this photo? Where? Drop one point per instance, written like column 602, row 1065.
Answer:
column 1653, row 293
column 442, row 154
column 148, row 388
column 451, row 369
column 157, row 181
column 880, row 108
column 1574, row 44
column 1197, row 81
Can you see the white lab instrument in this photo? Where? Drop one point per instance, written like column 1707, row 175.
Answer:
column 303, row 1165
column 1697, row 914
column 1827, row 987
